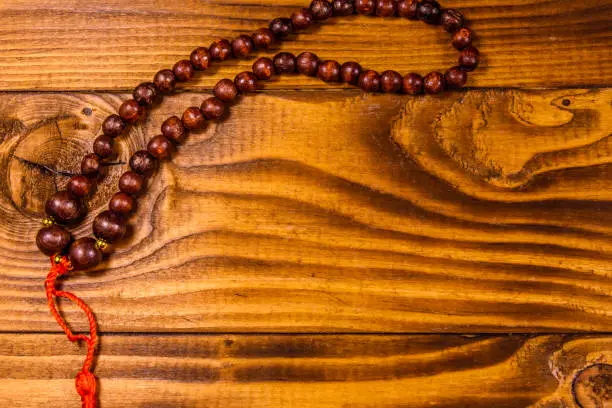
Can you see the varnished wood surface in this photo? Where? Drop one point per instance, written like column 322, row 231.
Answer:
column 114, row 45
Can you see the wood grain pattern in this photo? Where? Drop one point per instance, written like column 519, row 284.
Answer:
column 333, row 212
column 114, row 44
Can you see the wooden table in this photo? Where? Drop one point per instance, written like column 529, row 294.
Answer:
column 320, row 247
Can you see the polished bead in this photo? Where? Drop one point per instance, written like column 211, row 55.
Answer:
column 263, row 38
column 369, row 81
column 412, row 84
column 263, row 68
column 386, row 8
column 226, row 90
column 193, row 118
column 307, row 63
column 281, row 27
column 246, row 82
column 80, row 186
column 91, row 165
column 220, row 50
column 429, row 11
column 160, row 147
column 433, row 83
column 84, row 254
column 109, row 226
column 284, row 63
column 183, row 70
column 53, row 239
column 146, row 94
column 242, row 46
column 408, row 9
column 390, row 82
column 113, row 126
column 213, row 108
column 451, row 20
column 455, row 78
column 365, row 7
column 321, row 10
column 143, row 163
column 200, row 58
column 349, row 72
column 131, row 183
column 65, row 208
column 103, row 147
column 302, row 19
column 131, row 111
column 165, row 81
column 122, row 203
column 173, row 129
column 329, row 71
column 468, row 58
column 462, row 38
column 343, row 7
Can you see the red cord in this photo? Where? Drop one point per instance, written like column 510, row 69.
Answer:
column 85, row 380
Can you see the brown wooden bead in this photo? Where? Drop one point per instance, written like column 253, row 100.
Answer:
column 84, row 254
column 429, row 11
column 433, row 83
column 263, row 38
column 451, row 20
column 281, row 27
column 220, row 50
column 263, row 68
column 307, row 63
column 200, row 58
column 146, row 94
column 329, row 71
column 65, row 208
column 131, row 111
column 321, row 10
column 80, row 186
column 109, row 226
column 242, row 46
column 369, row 81
column 91, row 165
column 302, row 19
column 160, row 147
column 246, row 82
column 390, row 82
column 468, row 58
column 462, row 38
column 122, row 203
column 343, row 7
column 103, row 147
column 408, row 9
column 53, row 240
column 284, row 63
column 193, row 118
column 131, row 183
column 173, row 129
column 349, row 72
column 386, row 8
column 183, row 70
column 113, row 126
column 412, row 84
column 365, row 7
column 165, row 81
column 225, row 90
column 213, row 108
column 143, row 163
column 455, row 77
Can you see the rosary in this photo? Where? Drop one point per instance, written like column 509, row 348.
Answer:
column 67, row 207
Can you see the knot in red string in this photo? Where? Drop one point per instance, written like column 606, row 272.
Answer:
column 86, row 387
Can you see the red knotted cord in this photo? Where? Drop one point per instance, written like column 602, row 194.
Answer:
column 85, row 380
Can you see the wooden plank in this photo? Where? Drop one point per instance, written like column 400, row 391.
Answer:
column 114, row 45
column 335, row 212
column 314, row 371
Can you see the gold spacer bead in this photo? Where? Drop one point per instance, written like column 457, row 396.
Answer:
column 57, row 259
column 101, row 244
column 48, row 221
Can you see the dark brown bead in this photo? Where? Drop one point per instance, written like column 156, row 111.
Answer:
column 183, row 70
column 307, row 63
column 412, row 84
column 220, row 50
column 284, row 63
column 263, row 68
column 131, row 183
column 165, row 81
column 433, row 83
column 321, row 10
column 246, row 82
column 113, row 126
column 408, row 9
column 329, row 71
column 263, row 38
column 160, row 147
column 213, row 108
column 302, row 19
column 103, row 147
column 369, row 81
column 65, row 208
column 281, row 27
column 53, row 240
column 83, row 254
column 343, row 7
column 226, row 90
column 146, row 94
column 80, row 186
column 109, row 226
column 468, row 58
column 390, row 82
column 122, row 203
column 91, row 165
column 451, row 20
column 386, row 8
column 349, row 72
column 429, row 11
column 174, row 130
column 462, row 38
column 200, row 58
column 365, row 7
column 143, row 163
column 193, row 118
column 455, row 77
column 242, row 46
column 131, row 111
